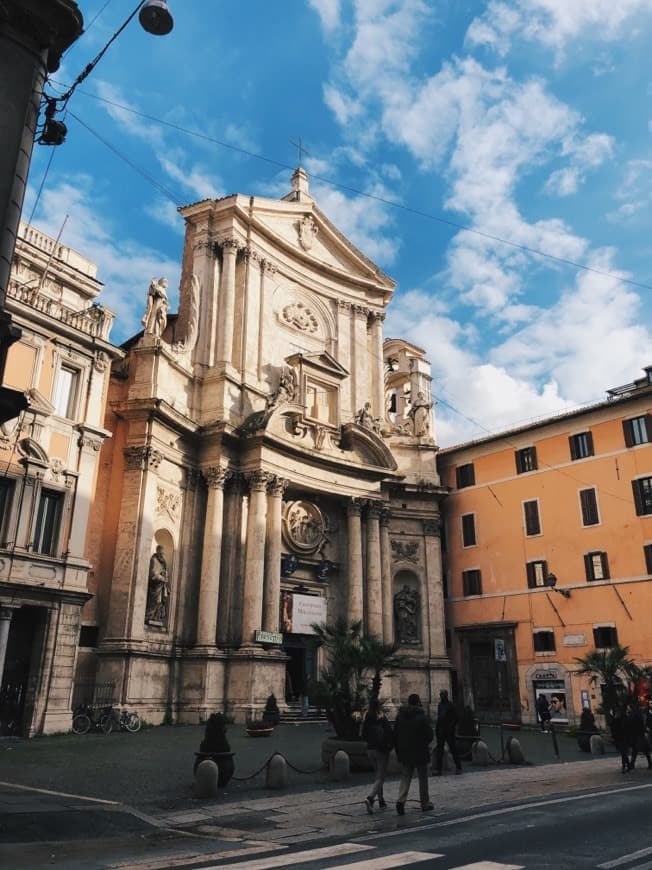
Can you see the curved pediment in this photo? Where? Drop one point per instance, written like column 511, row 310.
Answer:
column 32, row 450
column 367, row 443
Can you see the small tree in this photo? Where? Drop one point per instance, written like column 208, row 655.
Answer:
column 612, row 668
column 343, row 688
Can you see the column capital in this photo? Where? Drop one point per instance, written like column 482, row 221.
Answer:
column 385, row 516
column 342, row 303
column 253, row 255
column 269, row 266
column 354, row 507
column 276, row 486
column 216, row 476
column 375, row 508
column 377, row 316
column 360, row 310
column 432, row 527
column 257, row 480
column 229, row 245
column 139, row 458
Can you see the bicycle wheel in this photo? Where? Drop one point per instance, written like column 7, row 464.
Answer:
column 106, row 723
column 133, row 722
column 81, row 723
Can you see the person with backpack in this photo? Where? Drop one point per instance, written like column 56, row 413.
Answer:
column 379, row 735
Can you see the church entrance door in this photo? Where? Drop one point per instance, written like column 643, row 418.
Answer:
column 300, row 670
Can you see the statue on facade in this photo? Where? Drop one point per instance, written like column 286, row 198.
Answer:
column 158, row 590
column 420, row 415
column 406, row 614
column 155, row 318
column 286, row 390
column 366, row 419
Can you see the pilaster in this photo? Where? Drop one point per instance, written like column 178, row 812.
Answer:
column 354, row 559
column 255, row 556
column 374, row 588
column 273, row 548
column 209, row 584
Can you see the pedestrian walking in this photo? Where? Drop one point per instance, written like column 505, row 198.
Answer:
column 620, row 737
column 637, row 736
column 543, row 711
column 379, row 735
column 412, row 738
column 445, row 732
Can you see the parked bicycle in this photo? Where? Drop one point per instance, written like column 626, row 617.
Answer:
column 126, row 721
column 87, row 717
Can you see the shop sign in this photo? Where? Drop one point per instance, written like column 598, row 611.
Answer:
column 546, row 675
column 499, row 650
column 268, row 637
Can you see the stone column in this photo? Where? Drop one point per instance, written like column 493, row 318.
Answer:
column 378, row 367
column 209, row 584
column 227, row 302
column 386, row 575
column 253, row 291
column 344, row 355
column 355, row 601
column 360, row 358
column 254, row 578
column 272, row 588
column 374, row 588
column 434, row 588
column 6, row 612
column 206, row 265
column 266, row 292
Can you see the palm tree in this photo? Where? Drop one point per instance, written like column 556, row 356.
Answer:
column 343, row 688
column 612, row 668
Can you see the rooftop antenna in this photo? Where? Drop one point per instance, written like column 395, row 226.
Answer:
column 52, row 253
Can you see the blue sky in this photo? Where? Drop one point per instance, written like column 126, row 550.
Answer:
column 523, row 120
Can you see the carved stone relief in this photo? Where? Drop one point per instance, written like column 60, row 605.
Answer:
column 168, row 502
column 405, row 551
column 407, row 615
column 300, row 317
column 303, row 526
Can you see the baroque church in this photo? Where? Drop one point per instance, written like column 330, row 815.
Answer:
column 272, row 465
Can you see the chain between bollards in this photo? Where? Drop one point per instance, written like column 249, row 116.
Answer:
column 264, row 765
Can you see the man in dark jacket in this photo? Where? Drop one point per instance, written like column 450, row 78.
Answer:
column 445, row 732
column 412, row 738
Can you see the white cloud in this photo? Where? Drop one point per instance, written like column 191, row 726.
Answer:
column 328, row 11
column 554, row 23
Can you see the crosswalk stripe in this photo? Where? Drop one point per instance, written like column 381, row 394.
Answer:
column 399, row 859
column 489, row 865
column 294, row 857
column 625, row 859
column 197, row 858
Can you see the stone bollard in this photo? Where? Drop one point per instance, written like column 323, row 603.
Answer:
column 277, row 772
column 480, row 753
column 340, row 767
column 514, row 751
column 206, row 780
column 597, row 744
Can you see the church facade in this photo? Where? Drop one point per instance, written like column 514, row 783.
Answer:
column 272, row 466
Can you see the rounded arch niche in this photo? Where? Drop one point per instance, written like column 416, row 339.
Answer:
column 159, row 581
column 407, row 608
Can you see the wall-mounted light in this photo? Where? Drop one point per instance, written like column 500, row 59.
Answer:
column 551, row 580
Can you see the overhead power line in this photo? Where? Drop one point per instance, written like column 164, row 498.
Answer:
column 394, row 203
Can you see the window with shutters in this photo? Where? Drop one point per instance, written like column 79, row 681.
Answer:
column 647, row 552
column 581, row 445
column 526, row 460
column 468, row 530
column 66, row 392
column 638, row 430
column 537, row 573
column 531, row 517
column 48, row 518
column 472, row 582
column 605, row 636
column 6, row 494
column 596, row 565
column 643, row 495
column 465, row 475
column 544, row 640
column 589, row 507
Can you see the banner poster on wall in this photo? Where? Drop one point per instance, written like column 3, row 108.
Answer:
column 555, row 692
column 299, row 612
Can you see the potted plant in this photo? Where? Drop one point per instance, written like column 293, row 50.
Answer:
column 215, row 747
column 271, row 713
column 259, row 728
column 344, row 686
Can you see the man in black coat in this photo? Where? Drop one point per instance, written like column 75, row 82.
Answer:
column 445, row 732
column 412, row 738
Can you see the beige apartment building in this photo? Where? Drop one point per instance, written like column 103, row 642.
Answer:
column 549, row 554
column 49, row 457
column 272, row 465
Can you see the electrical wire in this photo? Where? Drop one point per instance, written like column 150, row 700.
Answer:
column 42, row 185
column 375, row 197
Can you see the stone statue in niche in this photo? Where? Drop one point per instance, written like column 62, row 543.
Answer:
column 158, row 589
column 406, row 615
column 155, row 318
column 420, row 415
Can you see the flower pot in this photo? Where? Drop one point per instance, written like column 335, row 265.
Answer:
column 260, row 732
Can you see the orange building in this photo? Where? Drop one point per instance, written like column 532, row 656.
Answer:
column 549, row 554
